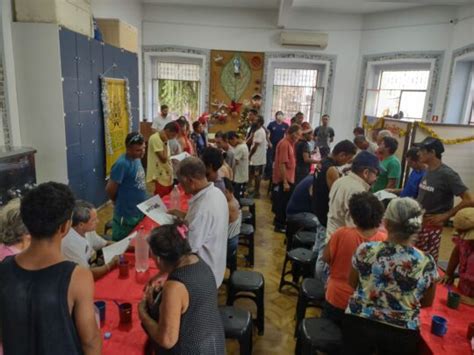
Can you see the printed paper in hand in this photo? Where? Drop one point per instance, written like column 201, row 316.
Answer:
column 180, row 156
column 117, row 248
column 156, row 210
column 384, row 195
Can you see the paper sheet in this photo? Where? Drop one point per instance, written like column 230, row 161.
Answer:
column 384, row 195
column 117, row 248
column 180, row 156
column 156, row 210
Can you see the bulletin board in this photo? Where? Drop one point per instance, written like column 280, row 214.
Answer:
column 235, row 77
column 458, row 156
column 401, row 130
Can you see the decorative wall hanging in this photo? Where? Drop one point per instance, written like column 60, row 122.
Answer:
column 117, row 118
column 235, row 78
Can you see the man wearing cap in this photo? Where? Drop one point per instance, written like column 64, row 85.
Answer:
column 436, row 195
column 126, row 187
column 303, row 154
column 363, row 174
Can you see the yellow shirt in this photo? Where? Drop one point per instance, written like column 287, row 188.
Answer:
column 156, row 169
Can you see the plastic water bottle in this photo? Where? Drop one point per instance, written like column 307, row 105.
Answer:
column 141, row 251
column 175, row 198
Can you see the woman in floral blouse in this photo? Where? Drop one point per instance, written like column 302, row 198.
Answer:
column 392, row 281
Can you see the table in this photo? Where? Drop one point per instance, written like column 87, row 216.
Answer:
column 129, row 339
column 455, row 341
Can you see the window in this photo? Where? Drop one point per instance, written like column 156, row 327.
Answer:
column 177, row 85
column 399, row 91
column 470, row 100
column 295, row 90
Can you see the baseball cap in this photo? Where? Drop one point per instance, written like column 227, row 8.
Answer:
column 431, row 143
column 367, row 160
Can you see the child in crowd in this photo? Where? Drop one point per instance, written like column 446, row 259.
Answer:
column 463, row 253
column 366, row 212
column 235, row 218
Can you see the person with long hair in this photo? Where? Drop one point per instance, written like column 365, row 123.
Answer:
column 187, row 320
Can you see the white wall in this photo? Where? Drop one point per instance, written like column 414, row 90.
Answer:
column 40, row 97
column 255, row 30
column 129, row 11
column 9, row 73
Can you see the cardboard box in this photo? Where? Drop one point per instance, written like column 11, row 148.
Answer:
column 119, row 34
column 75, row 15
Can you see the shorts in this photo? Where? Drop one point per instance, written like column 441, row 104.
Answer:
column 256, row 170
column 429, row 240
column 162, row 190
column 123, row 226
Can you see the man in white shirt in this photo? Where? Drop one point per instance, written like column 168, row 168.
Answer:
column 207, row 216
column 364, row 171
column 241, row 158
column 160, row 122
column 362, row 144
column 258, row 154
column 82, row 242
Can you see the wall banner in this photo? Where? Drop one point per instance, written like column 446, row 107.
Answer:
column 117, row 118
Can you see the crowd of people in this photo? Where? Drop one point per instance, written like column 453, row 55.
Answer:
column 376, row 258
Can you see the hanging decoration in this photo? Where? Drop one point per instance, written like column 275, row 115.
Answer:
column 235, row 77
column 433, row 134
column 118, row 118
column 370, row 126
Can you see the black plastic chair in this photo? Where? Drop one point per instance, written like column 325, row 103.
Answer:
column 318, row 334
column 250, row 285
column 238, row 325
column 311, row 294
column 247, row 240
column 302, row 265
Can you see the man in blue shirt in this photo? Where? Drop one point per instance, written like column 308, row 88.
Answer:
column 417, row 173
column 126, row 187
column 276, row 131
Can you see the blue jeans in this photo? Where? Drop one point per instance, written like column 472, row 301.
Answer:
column 322, row 269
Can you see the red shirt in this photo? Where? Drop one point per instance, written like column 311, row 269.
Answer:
column 285, row 154
column 342, row 245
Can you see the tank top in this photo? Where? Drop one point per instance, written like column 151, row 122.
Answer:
column 34, row 312
column 321, row 192
column 201, row 330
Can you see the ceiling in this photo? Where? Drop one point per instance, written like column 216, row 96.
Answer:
column 341, row 6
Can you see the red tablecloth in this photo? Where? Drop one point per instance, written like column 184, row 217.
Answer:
column 455, row 341
column 129, row 339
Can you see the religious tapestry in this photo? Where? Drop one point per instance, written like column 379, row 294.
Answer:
column 117, row 118
column 236, row 78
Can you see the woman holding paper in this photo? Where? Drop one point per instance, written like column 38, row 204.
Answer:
column 182, row 316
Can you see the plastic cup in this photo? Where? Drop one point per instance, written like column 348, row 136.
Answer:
column 453, row 300
column 124, row 268
column 439, row 326
column 101, row 307
column 125, row 311
column 470, row 331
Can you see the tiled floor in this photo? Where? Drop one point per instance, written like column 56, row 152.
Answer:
column 279, row 307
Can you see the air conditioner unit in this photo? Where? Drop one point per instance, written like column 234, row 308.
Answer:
column 310, row 39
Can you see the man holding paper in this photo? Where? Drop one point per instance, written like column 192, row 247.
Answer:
column 159, row 168
column 82, row 242
column 207, row 216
